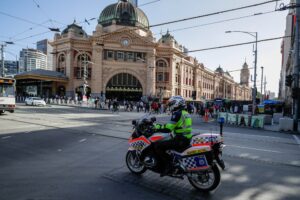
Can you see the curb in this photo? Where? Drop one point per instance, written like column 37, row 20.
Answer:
column 250, row 128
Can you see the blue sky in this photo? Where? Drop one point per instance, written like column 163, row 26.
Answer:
column 59, row 13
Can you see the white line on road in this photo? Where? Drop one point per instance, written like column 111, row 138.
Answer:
column 297, row 139
column 6, row 137
column 233, row 133
column 82, row 140
column 254, row 149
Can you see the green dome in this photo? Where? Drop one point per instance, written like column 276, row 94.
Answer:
column 79, row 32
column 124, row 13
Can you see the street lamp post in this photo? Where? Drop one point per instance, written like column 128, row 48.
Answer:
column 253, row 34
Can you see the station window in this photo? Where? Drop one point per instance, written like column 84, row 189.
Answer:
column 130, row 56
column 120, row 55
column 110, row 54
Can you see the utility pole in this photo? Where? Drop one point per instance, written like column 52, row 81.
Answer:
column 2, row 60
column 254, row 86
column 262, row 80
column 296, row 70
column 255, row 35
column 265, row 85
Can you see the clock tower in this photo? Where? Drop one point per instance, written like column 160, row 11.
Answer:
column 245, row 74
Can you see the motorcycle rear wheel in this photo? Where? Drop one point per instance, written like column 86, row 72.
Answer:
column 213, row 179
column 133, row 163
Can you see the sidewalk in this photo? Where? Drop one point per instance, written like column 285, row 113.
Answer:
column 274, row 127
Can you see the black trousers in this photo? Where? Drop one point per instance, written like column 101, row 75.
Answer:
column 178, row 143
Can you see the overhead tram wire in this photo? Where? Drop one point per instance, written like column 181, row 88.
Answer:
column 214, row 13
column 237, row 44
column 205, row 15
column 44, row 12
column 151, row 2
column 29, row 29
column 161, row 24
column 28, row 21
column 218, row 22
column 22, row 19
column 38, row 34
column 236, row 70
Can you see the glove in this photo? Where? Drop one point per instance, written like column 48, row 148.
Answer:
column 157, row 127
column 161, row 128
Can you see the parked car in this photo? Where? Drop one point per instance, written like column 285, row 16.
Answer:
column 35, row 101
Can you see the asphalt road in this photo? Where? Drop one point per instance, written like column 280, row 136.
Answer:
column 72, row 153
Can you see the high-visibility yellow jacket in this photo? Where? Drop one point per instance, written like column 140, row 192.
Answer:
column 180, row 124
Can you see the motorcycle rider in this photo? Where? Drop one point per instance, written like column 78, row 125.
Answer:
column 181, row 126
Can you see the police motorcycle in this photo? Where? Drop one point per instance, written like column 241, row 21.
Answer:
column 198, row 162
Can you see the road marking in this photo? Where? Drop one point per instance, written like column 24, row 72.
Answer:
column 59, row 150
column 6, row 137
column 297, row 139
column 82, row 140
column 234, row 133
column 253, row 148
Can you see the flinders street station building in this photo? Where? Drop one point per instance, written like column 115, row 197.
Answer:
column 122, row 59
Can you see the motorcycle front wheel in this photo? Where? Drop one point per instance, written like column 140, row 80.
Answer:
column 206, row 181
column 133, row 163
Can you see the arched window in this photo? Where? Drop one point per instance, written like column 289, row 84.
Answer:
column 84, row 67
column 162, row 74
column 61, row 66
column 161, row 63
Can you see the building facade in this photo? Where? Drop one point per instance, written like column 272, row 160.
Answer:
column 122, row 59
column 10, row 67
column 287, row 58
column 32, row 59
column 47, row 49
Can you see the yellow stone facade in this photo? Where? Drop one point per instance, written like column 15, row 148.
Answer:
column 128, row 62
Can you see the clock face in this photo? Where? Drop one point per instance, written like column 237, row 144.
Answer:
column 125, row 42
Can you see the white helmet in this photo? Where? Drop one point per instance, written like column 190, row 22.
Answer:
column 176, row 102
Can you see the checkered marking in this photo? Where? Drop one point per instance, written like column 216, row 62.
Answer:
column 139, row 145
column 195, row 162
column 206, row 138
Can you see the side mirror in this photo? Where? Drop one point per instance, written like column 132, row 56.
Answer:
column 153, row 119
column 133, row 122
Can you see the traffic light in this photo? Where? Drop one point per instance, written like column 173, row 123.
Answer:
column 295, row 93
column 288, row 80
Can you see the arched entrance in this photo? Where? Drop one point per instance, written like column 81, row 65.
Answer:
column 124, row 86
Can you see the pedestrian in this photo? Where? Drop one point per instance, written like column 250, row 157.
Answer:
column 109, row 104
column 147, row 107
